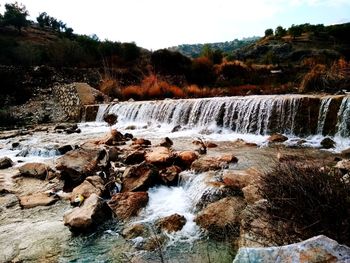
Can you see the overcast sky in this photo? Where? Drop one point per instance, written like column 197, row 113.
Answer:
column 155, row 24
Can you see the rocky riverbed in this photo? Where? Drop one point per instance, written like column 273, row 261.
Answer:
column 91, row 193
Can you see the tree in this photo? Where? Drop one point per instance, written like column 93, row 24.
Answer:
column 44, row 20
column 280, row 31
column 214, row 56
column 16, row 15
column 268, row 32
column 295, row 31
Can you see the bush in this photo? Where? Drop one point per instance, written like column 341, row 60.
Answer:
column 308, row 200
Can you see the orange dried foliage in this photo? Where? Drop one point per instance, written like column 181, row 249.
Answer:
column 134, row 92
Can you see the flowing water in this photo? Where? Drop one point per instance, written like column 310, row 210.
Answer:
column 38, row 234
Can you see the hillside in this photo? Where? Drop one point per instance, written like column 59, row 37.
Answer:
column 195, row 50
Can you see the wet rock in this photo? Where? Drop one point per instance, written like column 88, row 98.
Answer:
column 240, row 178
column 126, row 205
column 76, row 165
column 316, row 249
column 116, row 138
column 221, row 219
column 277, row 137
column 155, row 242
column 5, row 162
column 64, row 149
column 70, row 131
column 139, row 177
column 160, row 156
column 91, row 185
column 131, row 127
column 135, row 157
column 327, row 143
column 241, row 143
column 206, row 131
column 213, row 163
column 113, row 153
column 343, row 165
column 35, row 170
column 166, row 142
column 128, row 136
column 93, row 211
column 202, row 150
column 37, row 199
column 172, row 223
column 111, row 119
column 211, row 145
column 186, row 158
column 141, row 142
column 66, row 126
column 170, row 175
column 135, row 230
column 176, row 128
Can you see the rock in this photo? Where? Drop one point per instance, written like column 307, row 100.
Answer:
column 343, row 165
column 274, row 138
column 166, row 142
column 76, row 165
column 126, row 205
column 128, row 136
column 111, row 119
column 141, row 142
column 67, row 126
column 212, row 163
column 113, row 153
column 93, row 211
column 327, row 143
column 211, row 145
column 131, row 127
column 70, row 131
column 35, row 170
column 139, row 177
column 221, row 219
column 135, row 157
column 171, row 223
column 91, row 185
column 155, row 242
column 170, row 175
column 115, row 138
column 64, row 149
column 161, row 156
column 316, row 249
column 240, row 178
column 5, row 162
column 38, row 199
column 176, row 128
column 240, row 143
column 135, row 230
column 346, row 153
column 251, row 193
column 186, row 158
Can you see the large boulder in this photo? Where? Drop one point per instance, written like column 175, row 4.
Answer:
column 139, row 177
column 126, row 205
column 170, row 175
column 213, row 163
column 221, row 218
column 76, row 165
column 37, row 199
column 134, row 157
column 5, row 162
column 240, row 178
column 35, row 170
column 172, row 223
column 91, row 185
column 316, row 249
column 85, row 218
column 186, row 158
column 161, row 156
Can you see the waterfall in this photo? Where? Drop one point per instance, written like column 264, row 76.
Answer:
column 288, row 114
column 101, row 111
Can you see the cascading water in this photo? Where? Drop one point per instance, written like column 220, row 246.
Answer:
column 288, row 114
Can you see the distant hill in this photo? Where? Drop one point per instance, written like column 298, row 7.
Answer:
column 194, row 50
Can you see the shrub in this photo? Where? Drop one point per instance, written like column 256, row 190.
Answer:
column 134, row 92
column 308, row 200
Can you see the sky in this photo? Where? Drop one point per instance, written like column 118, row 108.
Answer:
column 155, row 24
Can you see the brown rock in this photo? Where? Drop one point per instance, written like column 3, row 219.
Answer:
column 186, row 158
column 111, row 119
column 221, row 219
column 135, row 157
column 141, row 142
column 5, row 162
column 240, row 178
column 166, row 142
column 277, row 138
column 126, row 205
column 113, row 153
column 91, row 185
column 251, row 193
column 171, row 223
column 170, row 175
column 139, row 177
column 84, row 218
column 37, row 199
column 211, row 145
column 35, row 170
column 159, row 156
column 78, row 164
column 135, row 230
column 346, row 153
column 212, row 163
